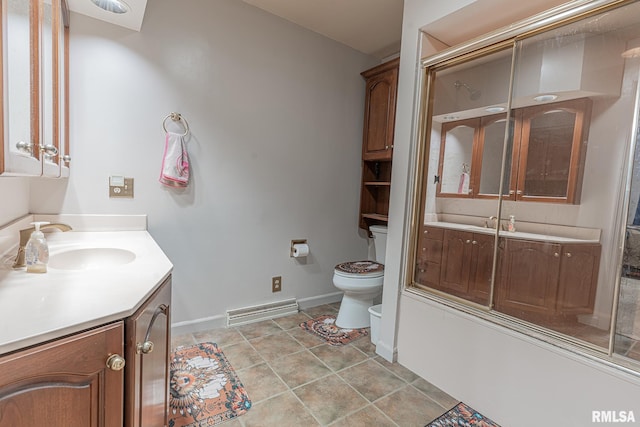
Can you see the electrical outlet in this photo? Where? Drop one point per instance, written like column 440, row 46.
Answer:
column 276, row 284
column 120, row 186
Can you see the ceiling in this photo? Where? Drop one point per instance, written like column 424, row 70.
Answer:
column 373, row 27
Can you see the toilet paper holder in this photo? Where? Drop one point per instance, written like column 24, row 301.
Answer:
column 296, row 242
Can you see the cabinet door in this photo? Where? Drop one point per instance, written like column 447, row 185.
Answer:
column 65, row 383
column 551, row 151
column 456, row 262
column 147, row 371
column 578, row 278
column 524, row 285
column 481, row 267
column 429, row 257
column 380, row 111
column 20, row 154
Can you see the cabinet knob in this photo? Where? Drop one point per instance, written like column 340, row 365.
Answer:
column 144, row 348
column 422, row 270
column 519, row 192
column 26, row 147
column 49, row 150
column 66, row 158
column 568, row 254
column 426, row 231
column 424, row 249
column 468, row 241
column 511, row 192
column 474, row 242
column 115, row 362
column 386, row 147
column 556, row 254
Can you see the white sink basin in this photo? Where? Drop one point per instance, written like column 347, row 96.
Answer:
column 91, row 258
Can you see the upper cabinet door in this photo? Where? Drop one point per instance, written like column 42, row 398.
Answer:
column 20, row 153
column 34, row 92
column 551, row 151
column 380, row 111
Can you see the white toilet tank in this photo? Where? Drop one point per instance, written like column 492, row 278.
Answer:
column 379, row 241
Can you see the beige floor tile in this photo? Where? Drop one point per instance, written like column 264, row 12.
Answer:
column 305, row 337
column 272, row 347
column 293, row 321
column 372, row 380
column 408, row 407
column 435, row 394
column 184, row 340
column 364, row 345
column 398, row 369
column 370, row 416
column 330, row 398
column 299, row 368
column 260, row 382
column 259, row 329
column 221, row 336
column 338, row 357
column 280, row 411
column 242, row 355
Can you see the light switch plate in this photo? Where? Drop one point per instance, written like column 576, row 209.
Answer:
column 125, row 190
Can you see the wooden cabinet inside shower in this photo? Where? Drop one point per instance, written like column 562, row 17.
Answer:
column 377, row 142
column 35, row 93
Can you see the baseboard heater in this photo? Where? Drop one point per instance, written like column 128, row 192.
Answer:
column 257, row 313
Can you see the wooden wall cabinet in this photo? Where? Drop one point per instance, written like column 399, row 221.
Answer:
column 565, row 286
column 34, row 121
column 65, row 382
column 377, row 142
column 79, row 380
column 548, row 154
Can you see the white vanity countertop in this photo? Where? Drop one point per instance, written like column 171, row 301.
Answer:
column 39, row 307
column 513, row 235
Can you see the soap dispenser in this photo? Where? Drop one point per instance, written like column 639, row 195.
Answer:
column 37, row 251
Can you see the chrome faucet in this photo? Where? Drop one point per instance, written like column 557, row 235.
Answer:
column 24, row 238
column 493, row 220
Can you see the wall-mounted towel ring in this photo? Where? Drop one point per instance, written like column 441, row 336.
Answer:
column 176, row 117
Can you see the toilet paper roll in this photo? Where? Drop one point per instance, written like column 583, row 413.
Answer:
column 300, row 250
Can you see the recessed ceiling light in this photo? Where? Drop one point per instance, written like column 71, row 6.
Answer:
column 115, row 6
column 496, row 109
column 545, row 98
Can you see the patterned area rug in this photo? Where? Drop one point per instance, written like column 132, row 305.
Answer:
column 204, row 389
column 325, row 328
column 462, row 415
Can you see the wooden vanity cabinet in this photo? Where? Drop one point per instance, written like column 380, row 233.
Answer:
column 456, row 262
column 467, row 261
column 565, row 286
column 78, row 381
column 377, row 143
column 148, row 347
column 65, row 382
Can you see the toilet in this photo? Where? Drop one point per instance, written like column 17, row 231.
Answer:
column 361, row 282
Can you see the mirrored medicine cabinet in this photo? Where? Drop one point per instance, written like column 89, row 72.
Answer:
column 528, row 181
column 35, row 58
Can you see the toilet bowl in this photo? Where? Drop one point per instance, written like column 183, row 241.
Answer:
column 361, row 282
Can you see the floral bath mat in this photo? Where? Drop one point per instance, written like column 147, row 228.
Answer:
column 325, row 327
column 204, row 388
column 462, row 415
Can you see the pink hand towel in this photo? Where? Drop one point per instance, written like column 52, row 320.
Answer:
column 175, row 162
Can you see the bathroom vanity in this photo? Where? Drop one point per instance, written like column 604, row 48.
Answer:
column 87, row 343
column 458, row 259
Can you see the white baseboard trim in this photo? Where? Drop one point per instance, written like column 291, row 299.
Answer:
column 390, row 354
column 197, row 325
column 220, row 320
column 310, row 302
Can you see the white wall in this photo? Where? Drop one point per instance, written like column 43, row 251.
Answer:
column 276, row 118
column 14, row 196
column 500, row 373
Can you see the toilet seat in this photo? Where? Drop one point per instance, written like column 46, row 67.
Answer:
column 359, row 270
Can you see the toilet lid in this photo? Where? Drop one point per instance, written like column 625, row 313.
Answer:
column 360, row 269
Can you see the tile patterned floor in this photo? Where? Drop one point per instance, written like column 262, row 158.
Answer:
column 294, row 379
